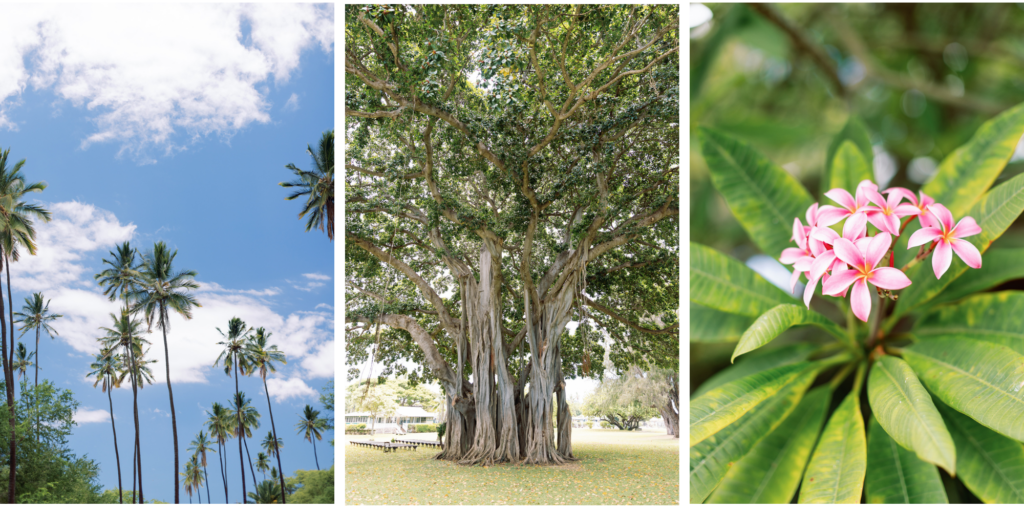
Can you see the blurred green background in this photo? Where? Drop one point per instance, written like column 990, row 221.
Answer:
column 785, row 78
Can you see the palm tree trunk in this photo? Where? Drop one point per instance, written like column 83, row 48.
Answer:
column 207, row 475
column 35, row 390
column 313, row 439
column 135, row 404
column 255, row 484
column 12, row 455
column 170, row 395
column 223, row 469
column 135, row 454
column 117, row 456
column 241, row 427
column 277, row 450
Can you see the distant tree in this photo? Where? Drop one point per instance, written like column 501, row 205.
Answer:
column 262, row 357
column 218, row 424
column 266, row 492
column 235, row 356
column 318, row 184
column 200, row 446
column 250, row 419
column 35, row 315
column 313, row 486
column 105, row 370
column 622, row 409
column 262, row 464
column 23, row 360
column 379, row 401
column 311, row 426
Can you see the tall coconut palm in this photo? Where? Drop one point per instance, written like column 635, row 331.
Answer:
column 311, row 425
column 267, row 492
column 120, row 280
column 218, row 424
column 164, row 290
column 273, row 447
column 105, row 370
column 193, row 478
column 250, row 420
column 126, row 339
column 318, row 184
column 23, row 360
column 200, row 446
column 15, row 231
column 263, row 464
column 262, row 357
column 235, row 357
column 35, row 315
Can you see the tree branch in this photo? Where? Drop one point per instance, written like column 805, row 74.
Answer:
column 803, row 44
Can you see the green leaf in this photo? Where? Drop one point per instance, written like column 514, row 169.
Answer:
column 776, row 321
column 723, row 283
column 764, row 198
column 849, row 168
column 896, row 475
column 992, row 317
column 982, row 380
column 855, row 133
column 836, row 471
column 1000, row 266
column 973, row 167
column 905, row 409
column 994, row 213
column 719, row 407
column 771, row 472
column 712, row 326
column 711, row 459
column 756, row 363
column 991, row 465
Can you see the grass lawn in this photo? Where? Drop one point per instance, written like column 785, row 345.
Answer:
column 615, row 468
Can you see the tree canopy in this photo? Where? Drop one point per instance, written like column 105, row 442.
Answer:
column 511, row 169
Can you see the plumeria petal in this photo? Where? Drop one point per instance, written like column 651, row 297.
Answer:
column 943, row 215
column 842, row 198
column 902, row 193
column 906, row 210
column 889, row 278
column 812, row 215
column 967, row 252
column 817, row 246
column 966, row 227
column 923, row 236
column 893, row 200
column 877, row 219
column 874, row 197
column 790, row 255
column 848, row 252
column 821, row 264
column 876, row 249
column 827, row 235
column 855, row 225
column 941, row 258
column 892, row 224
column 809, row 292
column 860, row 300
column 839, row 281
column 829, row 215
column 793, row 280
column 926, row 200
column 862, row 244
column 803, row 264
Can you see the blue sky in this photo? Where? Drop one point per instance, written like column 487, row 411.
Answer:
column 174, row 123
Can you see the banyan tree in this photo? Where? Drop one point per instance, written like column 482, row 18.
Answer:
column 512, row 200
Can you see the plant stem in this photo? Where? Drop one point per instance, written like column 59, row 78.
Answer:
column 841, row 357
column 851, row 327
column 840, row 376
column 876, row 325
column 835, row 345
column 896, row 351
column 920, row 256
column 859, row 378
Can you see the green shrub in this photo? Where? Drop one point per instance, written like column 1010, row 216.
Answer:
column 605, row 424
column 421, row 427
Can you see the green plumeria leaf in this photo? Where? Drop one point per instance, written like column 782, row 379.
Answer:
column 982, row 380
column 723, row 283
column 764, row 198
column 771, row 472
column 836, row 471
column 896, row 475
column 1000, row 266
column 776, row 321
column 854, row 133
column 992, row 317
column 719, row 407
column 756, row 363
column 973, row 167
column 991, row 465
column 905, row 409
column 711, row 459
column 712, row 326
column 994, row 213
column 849, row 167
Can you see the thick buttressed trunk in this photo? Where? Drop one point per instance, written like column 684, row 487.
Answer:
column 564, row 419
column 670, row 409
column 459, row 426
column 496, row 438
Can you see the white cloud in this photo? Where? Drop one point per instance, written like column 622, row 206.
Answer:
column 214, row 287
column 292, row 104
column 325, row 306
column 282, row 389
column 87, row 415
column 149, row 73
column 320, row 361
column 317, row 277
column 313, row 281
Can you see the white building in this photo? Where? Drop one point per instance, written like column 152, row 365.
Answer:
column 389, row 424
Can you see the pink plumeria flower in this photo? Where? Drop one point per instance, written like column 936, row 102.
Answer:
column 854, row 209
column 923, row 205
column 800, row 257
column 812, row 216
column 825, row 260
column 890, row 211
column 948, row 238
column 863, row 258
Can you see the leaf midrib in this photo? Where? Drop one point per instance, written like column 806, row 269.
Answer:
column 960, row 370
column 899, row 468
column 910, row 404
column 981, row 451
column 731, row 285
column 967, row 330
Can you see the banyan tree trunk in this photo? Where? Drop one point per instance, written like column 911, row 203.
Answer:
column 564, row 421
column 459, row 427
column 670, row 411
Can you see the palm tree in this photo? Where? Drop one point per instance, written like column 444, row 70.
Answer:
column 163, row 290
column 24, row 360
column 250, row 420
column 126, row 336
column 311, row 426
column 119, row 281
column 36, row 315
column 15, row 231
column 235, row 356
column 105, row 370
column 262, row 358
column 267, row 492
column 318, row 184
column 194, row 479
column 273, row 447
column 200, row 446
column 263, row 464
column 218, row 424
